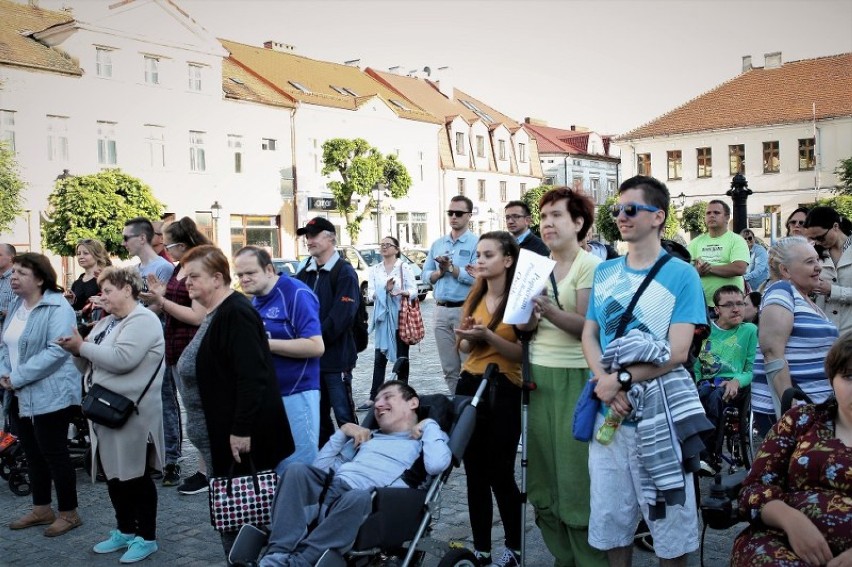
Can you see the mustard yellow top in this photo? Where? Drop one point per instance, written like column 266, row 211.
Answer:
column 485, row 353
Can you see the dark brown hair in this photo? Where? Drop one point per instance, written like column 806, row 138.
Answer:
column 41, row 268
column 510, row 247
column 186, row 232
column 839, row 357
column 212, row 260
column 578, row 204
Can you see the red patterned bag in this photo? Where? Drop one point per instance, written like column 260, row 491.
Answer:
column 235, row 501
column 410, row 323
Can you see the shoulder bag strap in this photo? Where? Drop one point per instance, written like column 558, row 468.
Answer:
column 555, row 291
column 145, row 391
column 628, row 313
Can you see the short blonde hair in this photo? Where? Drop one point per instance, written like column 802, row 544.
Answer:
column 120, row 277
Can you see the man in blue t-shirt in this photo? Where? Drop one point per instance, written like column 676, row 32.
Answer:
column 290, row 313
column 668, row 309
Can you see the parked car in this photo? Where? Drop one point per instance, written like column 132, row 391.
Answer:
column 363, row 256
column 285, row 266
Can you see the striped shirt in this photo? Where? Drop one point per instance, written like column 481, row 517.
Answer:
column 810, row 339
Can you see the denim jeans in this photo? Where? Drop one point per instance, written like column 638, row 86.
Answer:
column 171, row 416
column 335, row 394
column 303, row 415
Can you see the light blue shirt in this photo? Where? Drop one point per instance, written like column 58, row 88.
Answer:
column 523, row 236
column 461, row 252
column 758, row 268
column 5, row 292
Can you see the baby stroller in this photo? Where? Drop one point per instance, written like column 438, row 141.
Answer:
column 13, row 464
column 398, row 531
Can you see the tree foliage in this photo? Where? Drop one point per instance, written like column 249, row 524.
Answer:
column 532, row 198
column 840, row 203
column 844, row 176
column 361, row 167
column 693, row 218
column 96, row 206
column 607, row 227
column 11, row 188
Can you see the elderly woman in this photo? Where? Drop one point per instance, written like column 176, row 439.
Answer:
column 796, row 222
column 124, row 353
column 234, row 407
column 798, row 493
column 758, row 266
column 833, row 232
column 46, row 389
column 794, row 334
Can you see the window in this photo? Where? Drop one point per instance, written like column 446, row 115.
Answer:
column 501, row 148
column 807, row 158
column 736, row 154
column 235, row 144
column 300, row 87
column 399, row 104
column 107, row 151
column 705, row 162
column 103, row 62
column 460, row 143
column 675, row 161
column 596, row 186
column 523, row 189
column 194, row 77
column 344, row 91
column 771, row 157
column 610, row 187
column 643, row 164
column 411, row 228
column 461, row 186
column 196, row 151
column 577, row 184
column 155, row 140
column 550, row 181
column 7, row 128
column 57, row 138
column 482, row 190
column 480, row 146
column 261, row 231
column 267, row 144
column 152, row 70
column 503, row 193
column 522, row 153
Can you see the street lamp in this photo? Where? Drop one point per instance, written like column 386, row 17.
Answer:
column 682, row 199
column 29, row 229
column 215, row 212
column 739, row 193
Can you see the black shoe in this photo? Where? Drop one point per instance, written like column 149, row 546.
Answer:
column 195, row 484
column 171, row 476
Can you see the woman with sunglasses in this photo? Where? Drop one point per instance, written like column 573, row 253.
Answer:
column 758, row 266
column 833, row 232
column 390, row 282
column 796, row 222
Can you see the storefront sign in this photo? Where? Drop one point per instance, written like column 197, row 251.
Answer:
column 321, row 203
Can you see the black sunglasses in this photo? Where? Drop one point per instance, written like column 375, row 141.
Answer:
column 457, row 213
column 631, row 209
column 127, row 237
column 821, row 238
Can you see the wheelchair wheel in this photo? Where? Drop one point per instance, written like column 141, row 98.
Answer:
column 19, row 483
column 5, row 469
column 459, row 558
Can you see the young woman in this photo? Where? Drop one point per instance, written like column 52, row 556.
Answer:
column 490, row 457
column 93, row 258
column 833, row 232
column 390, row 283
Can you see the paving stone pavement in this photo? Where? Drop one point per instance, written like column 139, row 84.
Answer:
column 185, row 535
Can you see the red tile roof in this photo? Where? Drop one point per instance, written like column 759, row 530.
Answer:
column 18, row 22
column 762, row 97
column 556, row 140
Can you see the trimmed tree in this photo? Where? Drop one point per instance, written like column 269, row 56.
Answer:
column 844, row 176
column 840, row 203
column 96, row 206
column 361, row 168
column 11, row 188
column 531, row 198
column 608, row 228
column 692, row 221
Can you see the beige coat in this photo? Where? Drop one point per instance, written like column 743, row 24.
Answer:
column 124, row 362
column 838, row 306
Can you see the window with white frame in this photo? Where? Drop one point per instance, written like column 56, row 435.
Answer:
column 152, row 70
column 107, row 150
column 194, row 77
column 504, row 196
column 197, row 160
column 235, row 144
column 7, row 128
column 411, row 228
column 268, row 144
column 522, row 153
column 480, row 146
column 57, row 138
column 501, row 149
column 103, row 62
column 461, row 186
column 155, row 142
column 460, row 143
column 481, row 184
column 523, row 189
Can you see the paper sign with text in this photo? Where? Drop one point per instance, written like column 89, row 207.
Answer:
column 530, row 278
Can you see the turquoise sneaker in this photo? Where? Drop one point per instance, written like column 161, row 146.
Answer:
column 116, row 542
column 138, row 549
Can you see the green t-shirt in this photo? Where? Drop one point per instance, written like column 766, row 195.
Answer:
column 724, row 249
column 728, row 354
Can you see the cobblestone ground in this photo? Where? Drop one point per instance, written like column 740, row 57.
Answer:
column 185, row 535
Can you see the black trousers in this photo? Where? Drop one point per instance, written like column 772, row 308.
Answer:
column 380, row 366
column 45, row 442
column 135, row 503
column 490, row 460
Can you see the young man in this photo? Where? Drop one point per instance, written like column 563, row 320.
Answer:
column 7, row 254
column 290, row 313
column 668, row 310
column 448, row 267
column 724, row 366
column 720, row 256
column 518, row 224
column 362, row 460
column 338, row 301
column 138, row 235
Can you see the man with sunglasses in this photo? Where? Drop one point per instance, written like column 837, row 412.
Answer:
column 518, row 224
column 720, row 256
column 448, row 268
column 758, row 265
column 138, row 235
column 668, row 310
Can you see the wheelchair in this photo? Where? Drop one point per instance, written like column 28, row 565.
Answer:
column 734, row 436
column 397, row 533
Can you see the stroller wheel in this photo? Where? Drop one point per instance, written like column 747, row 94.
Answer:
column 19, row 483
column 459, row 557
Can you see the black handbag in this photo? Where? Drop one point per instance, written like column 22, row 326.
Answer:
column 105, row 407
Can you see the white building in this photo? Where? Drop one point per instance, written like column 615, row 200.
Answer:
column 785, row 126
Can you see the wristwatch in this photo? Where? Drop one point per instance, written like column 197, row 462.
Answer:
column 625, row 379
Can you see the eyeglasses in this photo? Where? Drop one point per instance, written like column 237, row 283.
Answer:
column 172, row 245
column 737, row 304
column 127, row 237
column 750, row 238
column 457, row 213
column 796, row 223
column 821, row 238
column 631, row 209
column 515, row 217
column 385, row 245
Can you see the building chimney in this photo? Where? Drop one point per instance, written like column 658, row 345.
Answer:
column 746, row 63
column 444, row 78
column 535, row 121
column 353, row 63
column 772, row 60
column 278, row 46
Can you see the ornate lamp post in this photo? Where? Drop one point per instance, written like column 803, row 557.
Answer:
column 739, row 193
column 215, row 212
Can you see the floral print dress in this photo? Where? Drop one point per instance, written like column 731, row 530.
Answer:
column 804, row 465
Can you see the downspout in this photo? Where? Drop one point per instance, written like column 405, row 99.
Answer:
column 295, row 181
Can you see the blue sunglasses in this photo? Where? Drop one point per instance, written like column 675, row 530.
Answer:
column 630, row 209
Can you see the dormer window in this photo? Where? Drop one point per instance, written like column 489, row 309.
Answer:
column 399, row 104
column 300, row 87
column 344, row 91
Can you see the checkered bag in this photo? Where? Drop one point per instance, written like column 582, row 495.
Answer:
column 411, row 329
column 236, row 501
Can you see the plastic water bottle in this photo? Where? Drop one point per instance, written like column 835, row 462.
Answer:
column 607, row 431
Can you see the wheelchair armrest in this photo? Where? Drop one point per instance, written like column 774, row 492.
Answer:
column 394, row 519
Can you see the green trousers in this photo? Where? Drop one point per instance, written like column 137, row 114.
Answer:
column 558, row 468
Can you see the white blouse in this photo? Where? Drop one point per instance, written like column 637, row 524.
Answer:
column 403, row 279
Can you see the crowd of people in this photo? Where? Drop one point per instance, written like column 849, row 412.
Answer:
column 668, row 336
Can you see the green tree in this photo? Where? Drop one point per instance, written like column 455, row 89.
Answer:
column 840, row 203
column 608, row 228
column 361, row 168
column 844, row 175
column 693, row 218
column 96, row 206
column 11, row 188
column 531, row 198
